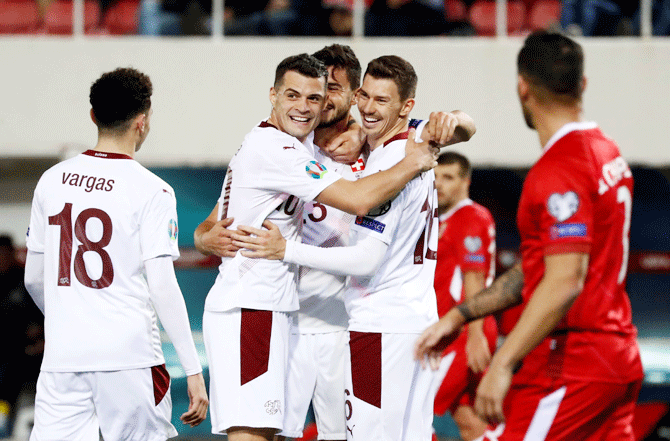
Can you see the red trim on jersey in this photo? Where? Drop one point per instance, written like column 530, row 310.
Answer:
column 265, row 125
column 398, row 136
column 366, row 366
column 161, row 380
column 255, row 333
column 106, row 155
column 561, row 248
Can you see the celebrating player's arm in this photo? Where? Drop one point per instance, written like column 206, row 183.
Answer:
column 562, row 282
column 355, row 197
column 442, row 128
column 504, row 293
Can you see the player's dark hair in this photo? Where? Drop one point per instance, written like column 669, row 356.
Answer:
column 451, row 157
column 304, row 64
column 553, row 61
column 342, row 56
column 119, row 96
column 395, row 68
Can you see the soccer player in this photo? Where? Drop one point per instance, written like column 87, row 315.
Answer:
column 574, row 345
column 318, row 335
column 246, row 320
column 390, row 295
column 465, row 266
column 102, row 237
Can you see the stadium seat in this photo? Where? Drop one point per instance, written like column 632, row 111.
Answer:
column 483, row 17
column 122, row 18
column 544, row 13
column 18, row 17
column 455, row 10
column 58, row 19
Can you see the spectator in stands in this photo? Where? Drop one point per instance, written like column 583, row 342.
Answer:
column 22, row 331
column 406, row 18
column 259, row 17
column 598, row 17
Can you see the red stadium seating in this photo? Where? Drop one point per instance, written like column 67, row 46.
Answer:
column 18, row 17
column 58, row 18
column 544, row 13
column 122, row 18
column 455, row 10
column 483, row 17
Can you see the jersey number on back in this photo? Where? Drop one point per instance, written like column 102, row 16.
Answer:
column 424, row 239
column 64, row 220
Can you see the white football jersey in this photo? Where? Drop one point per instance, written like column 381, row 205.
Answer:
column 400, row 297
column 321, row 293
column 97, row 217
column 270, row 177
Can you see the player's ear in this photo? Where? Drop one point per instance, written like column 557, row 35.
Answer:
column 354, row 97
column 95, row 121
column 273, row 96
column 522, row 88
column 407, row 107
column 584, row 83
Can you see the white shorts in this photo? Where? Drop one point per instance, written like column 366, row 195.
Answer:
column 247, row 352
column 316, row 374
column 121, row 405
column 388, row 396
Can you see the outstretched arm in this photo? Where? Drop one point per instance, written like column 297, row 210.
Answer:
column 562, row 282
column 362, row 259
column 361, row 196
column 502, row 294
column 477, row 346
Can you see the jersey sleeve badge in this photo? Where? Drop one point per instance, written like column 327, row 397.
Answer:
column 472, row 243
column 315, row 169
column 173, row 230
column 563, row 206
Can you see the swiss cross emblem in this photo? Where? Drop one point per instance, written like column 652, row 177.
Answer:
column 358, row 165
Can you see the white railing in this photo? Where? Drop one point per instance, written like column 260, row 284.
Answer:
column 358, row 19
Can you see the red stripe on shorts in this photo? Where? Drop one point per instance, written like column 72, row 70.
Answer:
column 161, row 380
column 366, row 366
column 255, row 333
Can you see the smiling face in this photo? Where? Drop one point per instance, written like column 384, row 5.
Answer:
column 383, row 114
column 339, row 99
column 297, row 103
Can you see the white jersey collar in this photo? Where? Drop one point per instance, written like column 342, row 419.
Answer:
column 454, row 209
column 567, row 128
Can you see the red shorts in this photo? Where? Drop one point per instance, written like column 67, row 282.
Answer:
column 459, row 383
column 577, row 411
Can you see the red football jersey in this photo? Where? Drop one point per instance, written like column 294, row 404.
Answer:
column 578, row 198
column 466, row 243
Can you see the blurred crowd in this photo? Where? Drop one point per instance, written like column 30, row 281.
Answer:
column 398, row 17
column 332, row 17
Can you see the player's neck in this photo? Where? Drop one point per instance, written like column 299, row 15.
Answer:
column 120, row 145
column 443, row 209
column 400, row 126
column 548, row 121
column 323, row 135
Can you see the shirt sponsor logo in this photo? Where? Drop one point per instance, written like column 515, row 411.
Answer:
column 563, row 206
column 472, row 243
column 370, row 224
column 315, row 170
column 288, row 147
column 172, row 230
column 568, row 230
column 474, row 258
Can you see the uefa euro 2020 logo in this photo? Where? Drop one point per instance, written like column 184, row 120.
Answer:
column 315, row 170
